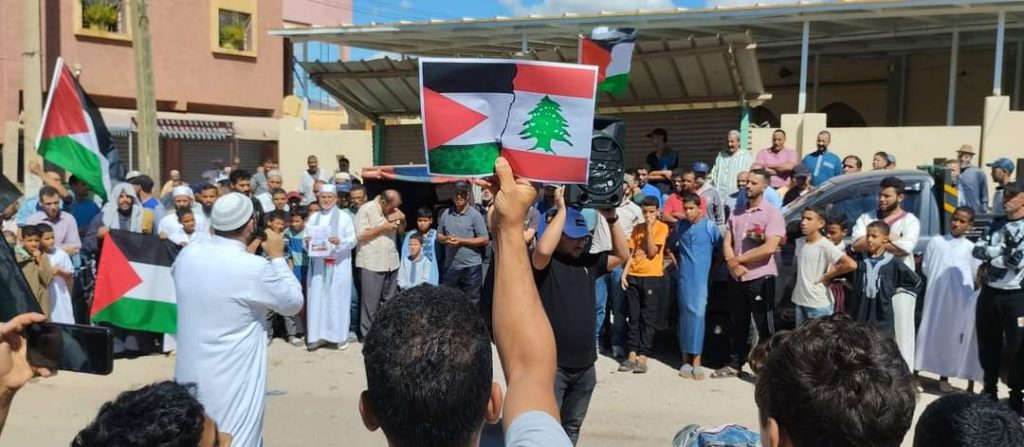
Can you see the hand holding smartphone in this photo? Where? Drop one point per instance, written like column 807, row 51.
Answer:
column 71, row 347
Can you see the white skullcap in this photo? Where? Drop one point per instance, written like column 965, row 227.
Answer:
column 181, row 191
column 220, row 178
column 328, row 188
column 342, row 177
column 274, row 173
column 231, row 211
column 132, row 174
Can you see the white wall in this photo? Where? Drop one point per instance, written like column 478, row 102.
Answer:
column 296, row 144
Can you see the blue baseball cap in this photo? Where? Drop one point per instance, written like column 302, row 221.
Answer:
column 1003, row 163
column 575, row 224
column 701, row 167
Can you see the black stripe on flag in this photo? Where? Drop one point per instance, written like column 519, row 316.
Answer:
column 621, row 35
column 145, row 248
column 468, row 77
column 106, row 144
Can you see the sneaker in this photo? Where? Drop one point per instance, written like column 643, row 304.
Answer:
column 698, row 373
column 295, row 341
column 626, row 366
column 686, row 371
column 945, row 387
column 640, row 368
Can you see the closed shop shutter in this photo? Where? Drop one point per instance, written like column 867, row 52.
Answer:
column 403, row 145
column 197, row 157
column 698, row 135
column 250, row 153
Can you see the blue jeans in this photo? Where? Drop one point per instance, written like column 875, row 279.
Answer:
column 608, row 285
column 804, row 313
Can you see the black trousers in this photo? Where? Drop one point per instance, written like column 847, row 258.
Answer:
column 755, row 298
column 468, row 280
column 999, row 317
column 573, row 388
column 642, row 296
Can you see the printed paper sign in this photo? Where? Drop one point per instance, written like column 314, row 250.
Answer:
column 538, row 115
column 319, row 246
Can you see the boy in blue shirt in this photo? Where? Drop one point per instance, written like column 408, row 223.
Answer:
column 431, row 247
column 696, row 240
column 298, row 261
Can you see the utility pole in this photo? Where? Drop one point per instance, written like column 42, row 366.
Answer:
column 149, row 142
column 32, row 92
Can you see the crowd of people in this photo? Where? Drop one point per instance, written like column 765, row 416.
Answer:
column 326, row 266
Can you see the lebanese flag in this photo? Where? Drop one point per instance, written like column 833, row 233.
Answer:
column 611, row 51
column 134, row 287
column 73, row 135
column 538, row 115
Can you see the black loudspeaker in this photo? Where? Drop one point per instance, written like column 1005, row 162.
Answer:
column 604, row 185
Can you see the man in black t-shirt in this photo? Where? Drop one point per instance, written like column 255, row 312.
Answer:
column 565, row 274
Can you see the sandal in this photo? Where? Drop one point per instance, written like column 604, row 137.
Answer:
column 698, row 373
column 639, row 368
column 626, row 366
column 686, row 371
column 725, row 372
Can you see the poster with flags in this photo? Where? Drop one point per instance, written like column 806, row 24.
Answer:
column 538, row 115
column 72, row 134
column 611, row 51
column 134, row 287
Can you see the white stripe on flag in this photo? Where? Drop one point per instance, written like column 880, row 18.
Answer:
column 493, row 105
column 157, row 283
column 579, row 112
column 622, row 54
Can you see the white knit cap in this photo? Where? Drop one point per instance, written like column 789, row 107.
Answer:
column 181, row 191
column 231, row 211
column 328, row 188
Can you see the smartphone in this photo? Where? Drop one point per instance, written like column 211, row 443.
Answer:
column 71, row 347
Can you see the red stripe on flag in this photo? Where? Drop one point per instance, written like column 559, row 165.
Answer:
column 550, row 168
column 444, row 119
column 66, row 115
column 114, row 276
column 594, row 54
column 553, row 80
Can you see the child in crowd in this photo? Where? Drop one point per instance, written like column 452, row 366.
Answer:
column 314, row 207
column 280, row 199
column 415, row 268
column 431, row 247
column 188, row 233
column 878, row 277
column 696, row 240
column 946, row 342
column 642, row 281
column 59, row 288
column 836, row 229
column 295, row 245
column 819, row 261
column 34, row 265
column 294, row 328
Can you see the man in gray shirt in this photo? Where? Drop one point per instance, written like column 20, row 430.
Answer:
column 464, row 233
column 972, row 183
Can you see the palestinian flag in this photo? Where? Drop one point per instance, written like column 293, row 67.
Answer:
column 538, row 115
column 611, row 50
column 72, row 134
column 134, row 288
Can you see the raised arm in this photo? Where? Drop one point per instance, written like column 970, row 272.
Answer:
column 522, row 333
column 552, row 233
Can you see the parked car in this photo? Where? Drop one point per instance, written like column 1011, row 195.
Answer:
column 854, row 195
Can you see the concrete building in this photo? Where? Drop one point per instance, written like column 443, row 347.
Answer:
column 878, row 74
column 219, row 76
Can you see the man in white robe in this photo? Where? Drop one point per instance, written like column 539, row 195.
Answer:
column 329, row 284
column 946, row 344
column 224, row 294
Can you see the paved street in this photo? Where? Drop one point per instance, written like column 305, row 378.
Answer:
column 313, row 402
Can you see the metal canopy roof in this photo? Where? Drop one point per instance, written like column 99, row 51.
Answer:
column 684, row 59
column 840, row 26
column 703, row 72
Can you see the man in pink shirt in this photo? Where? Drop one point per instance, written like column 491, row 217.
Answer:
column 752, row 237
column 778, row 160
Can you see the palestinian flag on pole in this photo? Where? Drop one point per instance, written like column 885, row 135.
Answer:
column 538, row 115
column 611, row 50
column 134, row 288
column 72, row 134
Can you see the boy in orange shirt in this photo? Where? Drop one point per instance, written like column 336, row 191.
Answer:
column 641, row 280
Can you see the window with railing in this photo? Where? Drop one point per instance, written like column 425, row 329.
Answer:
column 234, row 30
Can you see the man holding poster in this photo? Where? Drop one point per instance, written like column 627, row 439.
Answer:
column 332, row 238
column 538, row 115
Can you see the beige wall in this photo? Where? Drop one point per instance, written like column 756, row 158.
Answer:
column 296, row 144
column 1002, row 131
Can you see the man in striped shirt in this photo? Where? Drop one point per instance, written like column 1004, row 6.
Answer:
column 729, row 163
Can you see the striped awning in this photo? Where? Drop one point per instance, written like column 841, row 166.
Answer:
column 184, row 129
